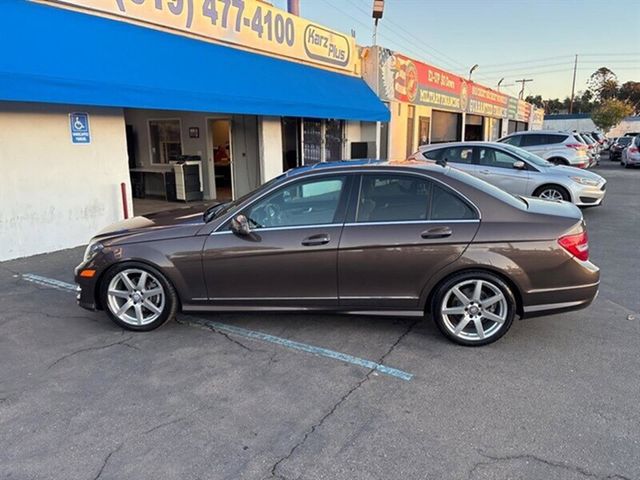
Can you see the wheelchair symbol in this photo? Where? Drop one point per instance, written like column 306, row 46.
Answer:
column 78, row 125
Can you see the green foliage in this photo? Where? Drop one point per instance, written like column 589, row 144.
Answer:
column 630, row 92
column 603, row 84
column 610, row 113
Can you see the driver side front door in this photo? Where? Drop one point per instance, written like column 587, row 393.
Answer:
column 290, row 257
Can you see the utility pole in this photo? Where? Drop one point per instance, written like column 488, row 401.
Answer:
column 293, row 7
column 523, row 81
column 573, row 86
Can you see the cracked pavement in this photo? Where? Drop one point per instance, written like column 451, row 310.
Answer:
column 556, row 398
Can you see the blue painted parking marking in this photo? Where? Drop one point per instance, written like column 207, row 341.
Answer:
column 252, row 334
column 303, row 347
column 49, row 282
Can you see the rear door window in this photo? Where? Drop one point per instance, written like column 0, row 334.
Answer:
column 453, row 154
column 445, row 205
column 393, row 197
column 534, row 139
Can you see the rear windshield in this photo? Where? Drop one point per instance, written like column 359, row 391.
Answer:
column 624, row 140
column 487, row 188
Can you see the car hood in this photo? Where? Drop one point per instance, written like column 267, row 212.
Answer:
column 155, row 226
column 572, row 172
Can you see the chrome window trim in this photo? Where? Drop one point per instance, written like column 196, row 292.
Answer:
column 332, row 171
column 292, row 227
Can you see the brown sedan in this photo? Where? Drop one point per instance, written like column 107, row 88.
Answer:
column 351, row 236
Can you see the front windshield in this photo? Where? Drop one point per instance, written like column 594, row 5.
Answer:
column 528, row 156
column 217, row 211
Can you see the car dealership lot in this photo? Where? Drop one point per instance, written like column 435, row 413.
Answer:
column 556, row 398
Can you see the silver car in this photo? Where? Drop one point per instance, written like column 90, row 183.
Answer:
column 561, row 148
column 631, row 155
column 518, row 171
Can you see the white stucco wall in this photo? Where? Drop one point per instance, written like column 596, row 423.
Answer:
column 55, row 194
column 270, row 131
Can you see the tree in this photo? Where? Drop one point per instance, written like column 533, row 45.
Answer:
column 537, row 100
column 603, row 84
column 610, row 113
column 630, row 92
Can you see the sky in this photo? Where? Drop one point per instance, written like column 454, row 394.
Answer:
column 515, row 39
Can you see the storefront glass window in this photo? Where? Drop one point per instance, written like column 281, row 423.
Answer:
column 166, row 143
column 312, row 141
column 333, row 140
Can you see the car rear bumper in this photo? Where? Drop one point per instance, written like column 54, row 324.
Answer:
column 572, row 298
column 582, row 290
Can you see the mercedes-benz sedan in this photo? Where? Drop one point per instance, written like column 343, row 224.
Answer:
column 408, row 237
column 520, row 172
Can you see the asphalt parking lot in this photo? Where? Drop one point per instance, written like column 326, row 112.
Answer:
column 244, row 398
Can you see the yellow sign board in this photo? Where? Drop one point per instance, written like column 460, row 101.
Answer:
column 249, row 24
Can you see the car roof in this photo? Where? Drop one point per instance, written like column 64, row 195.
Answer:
column 539, row 132
column 433, row 146
column 364, row 164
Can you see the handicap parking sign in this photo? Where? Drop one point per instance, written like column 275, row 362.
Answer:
column 79, row 124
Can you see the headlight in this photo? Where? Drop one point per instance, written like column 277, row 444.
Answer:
column 585, row 181
column 92, row 250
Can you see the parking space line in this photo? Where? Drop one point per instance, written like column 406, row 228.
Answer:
column 49, row 282
column 252, row 334
column 303, row 347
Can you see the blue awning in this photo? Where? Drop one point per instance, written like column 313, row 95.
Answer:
column 58, row 56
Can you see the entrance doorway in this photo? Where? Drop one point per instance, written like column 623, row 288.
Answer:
column 220, row 156
column 473, row 128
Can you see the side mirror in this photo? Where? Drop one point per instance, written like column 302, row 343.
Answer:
column 240, row 225
column 519, row 165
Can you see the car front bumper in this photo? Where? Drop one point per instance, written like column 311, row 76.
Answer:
column 588, row 196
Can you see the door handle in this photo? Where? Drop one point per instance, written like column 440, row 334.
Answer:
column 486, row 172
column 314, row 240
column 437, row 232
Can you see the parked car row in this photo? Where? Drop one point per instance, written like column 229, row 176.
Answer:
column 519, row 171
column 631, row 155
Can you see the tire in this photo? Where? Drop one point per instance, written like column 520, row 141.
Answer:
column 465, row 328
column 150, row 297
column 552, row 192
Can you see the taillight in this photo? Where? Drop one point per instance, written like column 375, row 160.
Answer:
column 576, row 146
column 633, row 149
column 576, row 244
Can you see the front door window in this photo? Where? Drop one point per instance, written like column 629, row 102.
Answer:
column 309, row 202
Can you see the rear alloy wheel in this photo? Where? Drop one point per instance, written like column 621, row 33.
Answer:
column 138, row 297
column 474, row 308
column 552, row 192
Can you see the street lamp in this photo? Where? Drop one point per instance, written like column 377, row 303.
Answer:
column 500, row 83
column 378, row 9
column 472, row 70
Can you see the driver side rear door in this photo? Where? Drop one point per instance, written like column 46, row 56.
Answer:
column 290, row 257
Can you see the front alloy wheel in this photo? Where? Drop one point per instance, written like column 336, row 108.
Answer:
column 552, row 192
column 474, row 308
column 138, row 297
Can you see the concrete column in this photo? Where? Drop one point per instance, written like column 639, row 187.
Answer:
column 270, row 136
